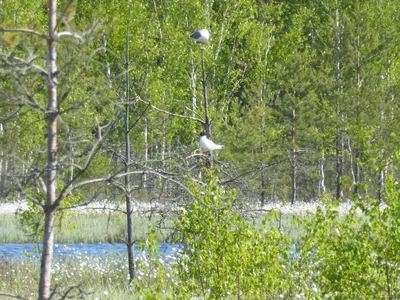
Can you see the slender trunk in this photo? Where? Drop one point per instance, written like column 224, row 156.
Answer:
column 52, row 113
column 2, row 169
column 193, row 79
column 339, row 165
column 357, row 152
column 146, row 152
column 207, row 124
column 388, row 281
column 294, row 158
column 381, row 189
column 355, row 169
column 71, row 168
column 381, row 176
column 164, row 165
column 321, row 187
column 263, row 188
column 128, row 192
column 263, row 176
column 338, row 138
column 4, row 181
column 47, row 254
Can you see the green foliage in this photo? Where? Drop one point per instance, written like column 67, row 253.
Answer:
column 151, row 281
column 353, row 254
column 224, row 255
column 334, row 64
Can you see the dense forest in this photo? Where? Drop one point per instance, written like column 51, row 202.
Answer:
column 105, row 100
column 302, row 94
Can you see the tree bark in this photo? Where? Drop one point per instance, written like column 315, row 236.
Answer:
column 357, row 151
column 193, row 79
column 128, row 191
column 52, row 113
column 3, row 167
column 263, row 188
column 321, row 187
column 339, row 165
column 146, row 152
column 294, row 157
column 339, row 88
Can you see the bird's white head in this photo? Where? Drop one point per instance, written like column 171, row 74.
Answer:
column 201, row 36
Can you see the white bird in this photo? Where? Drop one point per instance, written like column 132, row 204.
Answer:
column 201, row 36
column 207, row 145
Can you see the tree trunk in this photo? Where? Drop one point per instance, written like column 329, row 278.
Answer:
column 357, row 152
column 263, row 188
column 193, row 79
column 339, row 88
column 3, row 167
column 128, row 192
column 207, row 124
column 357, row 174
column 339, row 166
column 321, row 187
column 294, row 158
column 47, row 254
column 146, row 153
column 52, row 113
column 381, row 188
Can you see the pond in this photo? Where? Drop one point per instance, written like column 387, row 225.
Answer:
column 22, row 251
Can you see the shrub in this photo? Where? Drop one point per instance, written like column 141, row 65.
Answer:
column 224, row 255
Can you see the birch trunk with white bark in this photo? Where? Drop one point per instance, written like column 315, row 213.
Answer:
column 51, row 168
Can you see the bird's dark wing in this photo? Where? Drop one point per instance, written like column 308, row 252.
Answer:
column 195, row 34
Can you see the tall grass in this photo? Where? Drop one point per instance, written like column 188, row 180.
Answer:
column 81, row 276
column 11, row 231
column 85, row 228
column 111, row 228
column 19, row 278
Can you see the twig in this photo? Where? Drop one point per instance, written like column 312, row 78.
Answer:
column 27, row 63
column 23, row 30
column 70, row 34
column 11, row 296
column 172, row 114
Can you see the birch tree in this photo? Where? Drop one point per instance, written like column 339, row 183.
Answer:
column 31, row 67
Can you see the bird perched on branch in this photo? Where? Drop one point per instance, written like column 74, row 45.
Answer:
column 201, row 36
column 206, row 144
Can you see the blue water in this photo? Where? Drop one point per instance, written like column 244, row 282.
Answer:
column 21, row 251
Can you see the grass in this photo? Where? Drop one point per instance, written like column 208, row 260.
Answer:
column 100, row 226
column 100, row 277
column 85, row 228
column 111, row 228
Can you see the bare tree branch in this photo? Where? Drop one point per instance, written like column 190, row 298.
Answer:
column 24, row 30
column 11, row 296
column 172, row 114
column 70, row 34
column 31, row 100
column 28, row 63
column 92, row 153
column 111, row 180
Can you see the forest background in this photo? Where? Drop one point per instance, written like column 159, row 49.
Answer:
column 303, row 95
